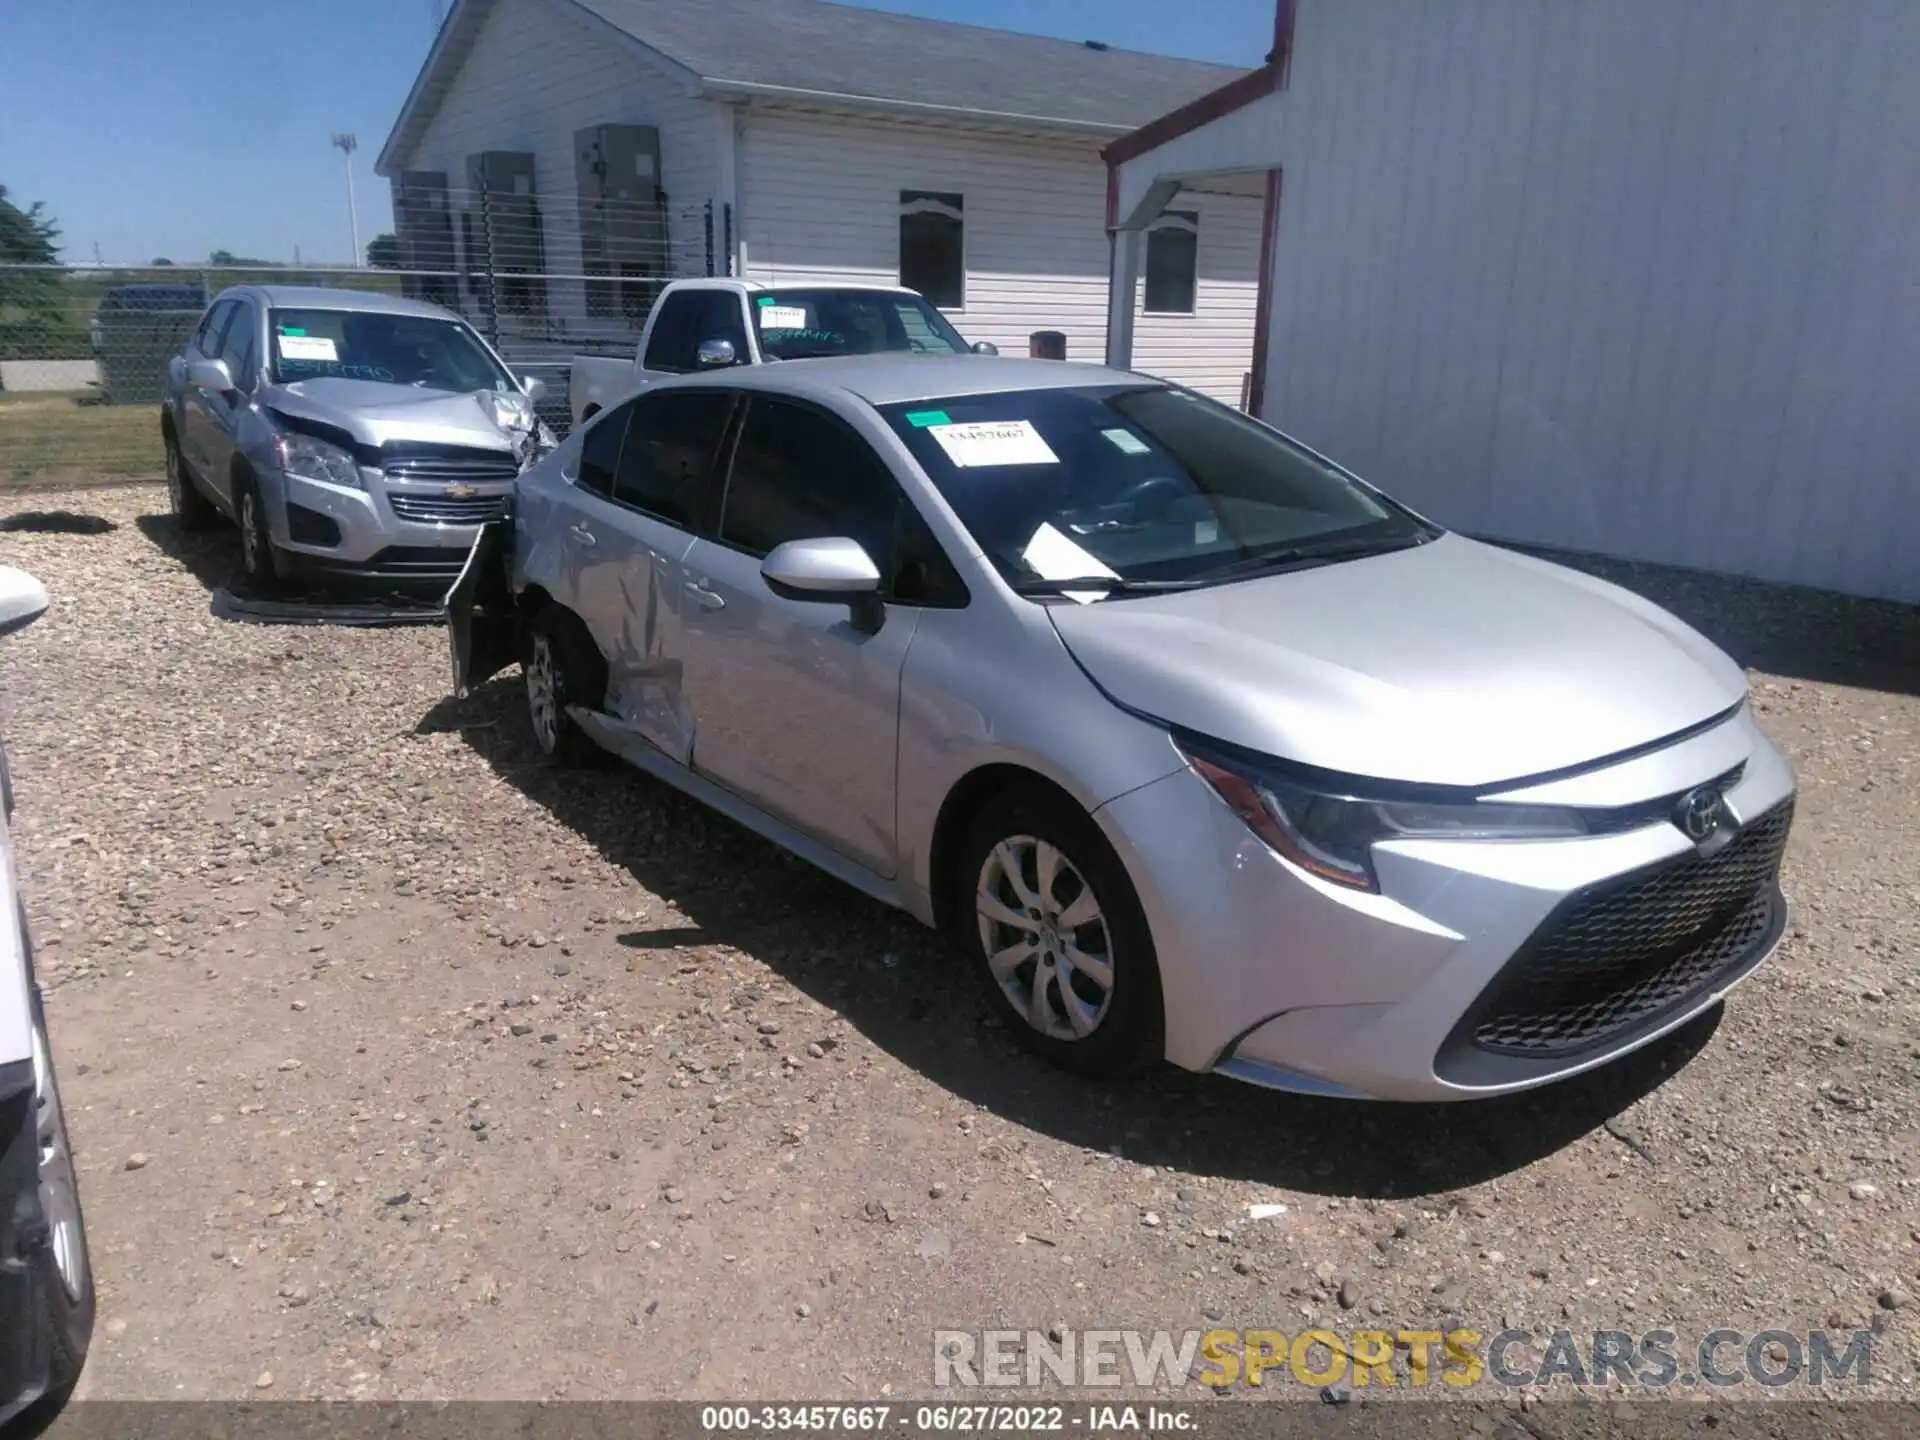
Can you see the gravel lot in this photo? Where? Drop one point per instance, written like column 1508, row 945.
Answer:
column 401, row 1064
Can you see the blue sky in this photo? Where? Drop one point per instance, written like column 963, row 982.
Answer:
column 152, row 127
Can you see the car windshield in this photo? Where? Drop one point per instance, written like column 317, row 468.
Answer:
column 392, row 349
column 804, row 324
column 1140, row 488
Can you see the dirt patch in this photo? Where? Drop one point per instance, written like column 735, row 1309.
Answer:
column 462, row 1076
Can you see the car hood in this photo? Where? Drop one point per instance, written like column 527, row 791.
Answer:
column 375, row 414
column 1451, row 663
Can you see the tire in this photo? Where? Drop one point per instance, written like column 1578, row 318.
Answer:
column 1059, row 1009
column 191, row 509
column 66, row 1270
column 258, row 563
column 561, row 666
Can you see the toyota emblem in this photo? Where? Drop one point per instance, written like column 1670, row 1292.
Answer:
column 1700, row 812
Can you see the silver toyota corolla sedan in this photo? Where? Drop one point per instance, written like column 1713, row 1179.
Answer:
column 1204, row 748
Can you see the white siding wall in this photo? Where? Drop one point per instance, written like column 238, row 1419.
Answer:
column 538, row 72
column 1638, row 278
column 820, row 196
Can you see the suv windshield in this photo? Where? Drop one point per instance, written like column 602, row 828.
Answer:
column 1139, row 488
column 802, row 324
column 392, row 349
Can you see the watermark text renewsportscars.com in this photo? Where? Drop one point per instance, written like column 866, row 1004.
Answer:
column 1654, row 1359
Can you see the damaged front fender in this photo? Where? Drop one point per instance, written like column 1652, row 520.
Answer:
column 482, row 618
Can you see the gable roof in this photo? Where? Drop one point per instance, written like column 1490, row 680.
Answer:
column 814, row 50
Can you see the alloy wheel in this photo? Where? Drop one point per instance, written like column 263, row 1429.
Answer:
column 1046, row 941
column 250, row 533
column 543, row 702
column 59, row 1195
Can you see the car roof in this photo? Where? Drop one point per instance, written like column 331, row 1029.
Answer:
column 321, row 297
column 890, row 379
column 759, row 287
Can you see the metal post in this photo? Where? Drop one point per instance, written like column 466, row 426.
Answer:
column 726, row 215
column 489, row 309
column 346, row 144
column 709, row 215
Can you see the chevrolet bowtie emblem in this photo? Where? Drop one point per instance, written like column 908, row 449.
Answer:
column 461, row 492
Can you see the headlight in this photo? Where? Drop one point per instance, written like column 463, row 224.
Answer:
column 1333, row 834
column 313, row 459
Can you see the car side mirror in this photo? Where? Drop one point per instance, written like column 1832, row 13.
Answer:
column 715, row 353
column 831, row 570
column 534, row 387
column 212, row 375
column 23, row 599
column 985, row 347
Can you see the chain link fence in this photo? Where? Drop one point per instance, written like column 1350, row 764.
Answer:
column 84, row 349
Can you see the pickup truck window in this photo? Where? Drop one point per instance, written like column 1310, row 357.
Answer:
column 801, row 324
column 687, row 320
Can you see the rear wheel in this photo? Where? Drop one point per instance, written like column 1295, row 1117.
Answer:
column 1057, row 935
column 562, row 667
column 191, row 509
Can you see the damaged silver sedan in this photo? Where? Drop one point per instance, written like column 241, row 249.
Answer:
column 1204, row 748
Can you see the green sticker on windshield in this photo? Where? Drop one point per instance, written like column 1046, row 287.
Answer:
column 764, row 300
column 920, row 419
column 291, row 330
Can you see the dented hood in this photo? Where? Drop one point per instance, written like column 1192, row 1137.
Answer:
column 1451, row 663
column 375, row 413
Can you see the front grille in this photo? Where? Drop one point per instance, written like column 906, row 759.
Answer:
column 445, row 509
column 1616, row 959
column 447, row 464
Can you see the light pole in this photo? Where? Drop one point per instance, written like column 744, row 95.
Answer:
column 346, row 143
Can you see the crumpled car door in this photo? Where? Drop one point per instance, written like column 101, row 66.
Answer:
column 481, row 628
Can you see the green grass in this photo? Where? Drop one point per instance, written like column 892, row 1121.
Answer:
column 48, row 439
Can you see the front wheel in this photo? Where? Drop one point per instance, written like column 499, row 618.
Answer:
column 256, row 540
column 1057, row 935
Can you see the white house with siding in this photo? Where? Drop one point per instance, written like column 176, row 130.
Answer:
column 1636, row 278
column 795, row 140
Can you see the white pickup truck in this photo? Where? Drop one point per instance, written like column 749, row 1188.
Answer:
column 707, row 324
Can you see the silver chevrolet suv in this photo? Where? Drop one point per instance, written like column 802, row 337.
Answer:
column 350, row 435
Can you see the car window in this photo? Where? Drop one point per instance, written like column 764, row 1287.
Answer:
column 206, row 340
column 800, row 475
column 393, row 349
column 667, row 462
column 240, row 346
column 802, row 324
column 688, row 319
column 600, row 449
column 1146, row 482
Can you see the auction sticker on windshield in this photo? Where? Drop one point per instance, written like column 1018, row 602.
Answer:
column 307, row 347
column 783, row 317
column 993, row 442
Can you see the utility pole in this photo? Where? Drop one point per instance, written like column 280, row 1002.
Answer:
column 346, row 143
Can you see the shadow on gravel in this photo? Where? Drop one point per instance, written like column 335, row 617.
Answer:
column 1783, row 630
column 903, row 988
column 57, row 522
column 212, row 556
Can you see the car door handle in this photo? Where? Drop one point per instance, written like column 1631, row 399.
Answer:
column 583, row 534
column 709, row 599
